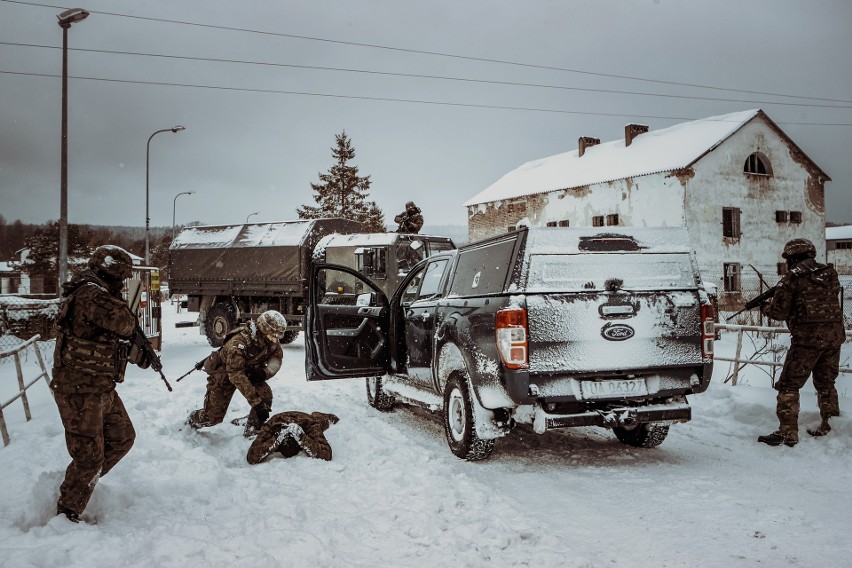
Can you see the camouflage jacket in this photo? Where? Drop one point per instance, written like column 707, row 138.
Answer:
column 92, row 320
column 246, row 350
column 807, row 298
column 314, row 442
column 409, row 223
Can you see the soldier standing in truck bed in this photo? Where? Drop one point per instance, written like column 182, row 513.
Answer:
column 250, row 356
column 807, row 299
column 410, row 220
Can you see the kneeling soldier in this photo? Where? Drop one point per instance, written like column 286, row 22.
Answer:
column 250, row 356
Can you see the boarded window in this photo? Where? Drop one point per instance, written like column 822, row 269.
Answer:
column 843, row 245
column 731, row 222
column 563, row 223
column 795, row 216
column 757, row 164
column 551, row 223
column 780, row 216
column 732, row 277
column 598, row 221
column 612, row 219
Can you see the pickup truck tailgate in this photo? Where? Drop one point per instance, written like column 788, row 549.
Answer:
column 620, row 331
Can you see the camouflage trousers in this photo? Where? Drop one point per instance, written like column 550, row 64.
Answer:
column 220, row 391
column 98, row 433
column 799, row 364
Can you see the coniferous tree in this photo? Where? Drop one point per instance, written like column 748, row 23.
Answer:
column 343, row 193
column 44, row 252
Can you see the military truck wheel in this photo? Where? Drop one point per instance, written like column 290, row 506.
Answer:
column 289, row 336
column 648, row 435
column 459, row 423
column 376, row 395
column 220, row 320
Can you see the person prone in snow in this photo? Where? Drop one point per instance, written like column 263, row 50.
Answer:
column 289, row 433
column 250, row 356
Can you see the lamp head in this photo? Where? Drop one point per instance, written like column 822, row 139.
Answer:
column 72, row 16
column 177, row 128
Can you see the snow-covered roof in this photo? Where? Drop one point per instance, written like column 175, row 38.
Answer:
column 654, row 151
column 6, row 267
column 243, row 235
column 838, row 233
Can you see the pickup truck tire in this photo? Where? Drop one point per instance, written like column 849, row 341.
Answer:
column 376, row 395
column 220, row 320
column 642, row 436
column 459, row 422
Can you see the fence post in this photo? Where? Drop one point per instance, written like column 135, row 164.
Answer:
column 736, row 374
column 22, row 387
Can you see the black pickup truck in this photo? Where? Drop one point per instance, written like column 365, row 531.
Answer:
column 556, row 327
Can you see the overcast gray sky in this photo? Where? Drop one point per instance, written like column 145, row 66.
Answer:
column 260, row 126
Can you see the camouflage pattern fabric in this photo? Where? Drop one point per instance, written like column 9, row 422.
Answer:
column 807, row 298
column 314, row 442
column 409, row 222
column 98, row 433
column 87, row 363
column 245, row 352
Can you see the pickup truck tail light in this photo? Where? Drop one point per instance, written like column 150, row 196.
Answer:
column 512, row 338
column 708, row 332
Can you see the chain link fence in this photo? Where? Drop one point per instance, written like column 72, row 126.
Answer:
column 23, row 316
column 751, row 286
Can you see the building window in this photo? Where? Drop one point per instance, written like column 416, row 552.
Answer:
column 598, row 221
column 782, row 268
column 732, row 277
column 612, row 219
column 780, row 216
column 843, row 245
column 758, row 165
column 551, row 223
column 510, row 228
column 795, row 216
column 563, row 223
column 731, row 222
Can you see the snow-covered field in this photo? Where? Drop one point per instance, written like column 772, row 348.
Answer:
column 394, row 495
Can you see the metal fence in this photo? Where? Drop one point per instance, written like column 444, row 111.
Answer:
column 15, row 354
column 729, row 303
column 25, row 316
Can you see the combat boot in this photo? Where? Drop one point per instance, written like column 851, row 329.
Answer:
column 776, row 439
column 71, row 515
column 821, row 430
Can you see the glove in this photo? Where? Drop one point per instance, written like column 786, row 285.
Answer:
column 144, row 361
column 295, row 431
column 262, row 412
column 256, row 376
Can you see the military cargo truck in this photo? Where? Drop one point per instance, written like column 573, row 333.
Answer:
column 233, row 273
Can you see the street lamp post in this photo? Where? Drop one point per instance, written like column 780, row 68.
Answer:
column 174, row 206
column 66, row 18
column 147, row 177
column 250, row 214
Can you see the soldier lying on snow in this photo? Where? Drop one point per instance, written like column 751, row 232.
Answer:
column 289, row 433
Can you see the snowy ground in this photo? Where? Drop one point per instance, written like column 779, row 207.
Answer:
column 394, row 495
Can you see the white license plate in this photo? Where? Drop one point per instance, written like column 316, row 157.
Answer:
column 614, row 388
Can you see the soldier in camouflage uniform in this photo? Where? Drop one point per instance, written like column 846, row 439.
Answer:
column 410, row 220
column 88, row 360
column 289, row 433
column 807, row 299
column 250, row 356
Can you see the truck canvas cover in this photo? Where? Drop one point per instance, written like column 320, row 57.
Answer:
column 258, row 255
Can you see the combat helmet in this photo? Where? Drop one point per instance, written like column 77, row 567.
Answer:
column 273, row 323
column 799, row 248
column 112, row 262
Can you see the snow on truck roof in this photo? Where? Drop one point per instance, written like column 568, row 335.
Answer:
column 553, row 240
column 276, row 234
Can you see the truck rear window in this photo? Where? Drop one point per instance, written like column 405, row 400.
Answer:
column 600, row 272
column 483, row 269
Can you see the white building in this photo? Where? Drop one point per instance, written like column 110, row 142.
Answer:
column 737, row 182
column 838, row 248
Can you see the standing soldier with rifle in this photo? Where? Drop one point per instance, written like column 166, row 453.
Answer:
column 94, row 328
column 807, row 299
column 250, row 356
column 410, row 220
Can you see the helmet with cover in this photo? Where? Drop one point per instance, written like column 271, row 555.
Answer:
column 111, row 262
column 799, row 249
column 272, row 323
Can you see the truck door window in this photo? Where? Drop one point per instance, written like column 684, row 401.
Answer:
column 432, row 279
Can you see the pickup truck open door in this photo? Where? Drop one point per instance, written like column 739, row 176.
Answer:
column 347, row 325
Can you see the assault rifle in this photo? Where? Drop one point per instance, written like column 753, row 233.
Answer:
column 198, row 366
column 755, row 302
column 139, row 342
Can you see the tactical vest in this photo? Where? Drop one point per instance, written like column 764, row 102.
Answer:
column 91, row 356
column 816, row 302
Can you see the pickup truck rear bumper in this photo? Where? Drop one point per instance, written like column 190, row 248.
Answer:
column 618, row 417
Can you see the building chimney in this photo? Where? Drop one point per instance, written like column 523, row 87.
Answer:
column 631, row 131
column 586, row 142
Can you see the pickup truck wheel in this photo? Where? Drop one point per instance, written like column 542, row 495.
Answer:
column 220, row 320
column 459, row 425
column 642, row 436
column 289, row 336
column 376, row 395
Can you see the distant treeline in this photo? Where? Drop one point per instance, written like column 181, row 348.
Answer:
column 14, row 235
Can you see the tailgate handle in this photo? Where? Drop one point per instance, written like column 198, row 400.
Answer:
column 622, row 310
